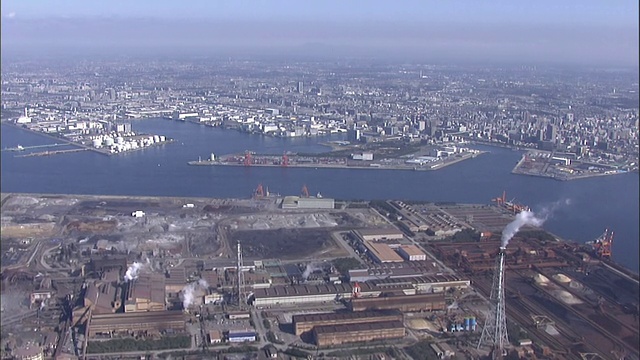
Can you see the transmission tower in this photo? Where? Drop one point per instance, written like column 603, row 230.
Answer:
column 494, row 333
column 241, row 295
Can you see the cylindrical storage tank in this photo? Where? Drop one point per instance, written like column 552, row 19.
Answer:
column 96, row 142
column 108, row 141
column 120, row 140
column 467, row 324
column 162, row 138
column 156, row 138
column 473, row 323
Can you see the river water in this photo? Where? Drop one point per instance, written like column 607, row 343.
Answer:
column 588, row 206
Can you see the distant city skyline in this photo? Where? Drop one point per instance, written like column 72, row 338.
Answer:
column 572, row 32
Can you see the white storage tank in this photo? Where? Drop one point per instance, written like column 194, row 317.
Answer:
column 162, row 138
column 120, row 140
column 108, row 141
column 96, row 143
column 156, row 138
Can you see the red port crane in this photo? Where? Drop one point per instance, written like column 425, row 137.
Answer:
column 501, row 200
column 247, row 158
column 602, row 245
column 285, row 160
column 305, row 191
column 259, row 192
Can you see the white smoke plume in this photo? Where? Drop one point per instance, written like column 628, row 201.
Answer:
column 134, row 270
column 311, row 267
column 548, row 210
column 522, row 219
column 189, row 290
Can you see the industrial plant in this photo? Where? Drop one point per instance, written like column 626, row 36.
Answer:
column 305, row 275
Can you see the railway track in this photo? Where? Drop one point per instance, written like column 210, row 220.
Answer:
column 518, row 309
column 616, row 331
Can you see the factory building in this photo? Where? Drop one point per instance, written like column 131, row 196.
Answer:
column 237, row 336
column 146, row 293
column 306, row 322
column 440, row 283
column 126, row 322
column 301, row 294
column 381, row 253
column 412, row 253
column 296, row 202
column 175, row 282
column 379, row 234
column 328, row 335
column 215, row 337
column 420, row 302
column 105, row 263
column 103, row 298
column 298, row 294
column 213, row 297
column 28, row 353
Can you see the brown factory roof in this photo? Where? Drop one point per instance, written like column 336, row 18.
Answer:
column 343, row 328
column 344, row 315
column 101, row 295
column 148, row 287
column 383, row 252
column 412, row 250
column 177, row 276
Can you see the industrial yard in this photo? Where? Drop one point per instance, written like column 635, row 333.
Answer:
column 105, row 276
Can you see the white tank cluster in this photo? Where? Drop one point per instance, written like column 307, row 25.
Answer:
column 122, row 143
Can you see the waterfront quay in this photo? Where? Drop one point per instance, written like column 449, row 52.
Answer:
column 423, row 158
column 562, row 166
column 103, row 141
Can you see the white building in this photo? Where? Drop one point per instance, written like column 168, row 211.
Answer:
column 412, row 253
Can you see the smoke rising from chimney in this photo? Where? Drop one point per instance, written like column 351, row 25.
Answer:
column 522, row 219
column 188, row 292
column 133, row 271
column 311, row 267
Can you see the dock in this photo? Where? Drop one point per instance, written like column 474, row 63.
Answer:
column 24, row 148
column 55, row 152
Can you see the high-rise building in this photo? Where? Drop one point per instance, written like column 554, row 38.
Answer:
column 433, row 127
column 552, row 132
column 300, row 87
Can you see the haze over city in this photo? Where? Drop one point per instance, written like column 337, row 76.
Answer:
column 569, row 32
column 330, row 180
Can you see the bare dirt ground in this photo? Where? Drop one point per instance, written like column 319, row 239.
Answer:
column 287, row 244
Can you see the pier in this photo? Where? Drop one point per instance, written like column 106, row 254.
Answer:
column 55, row 152
column 23, row 148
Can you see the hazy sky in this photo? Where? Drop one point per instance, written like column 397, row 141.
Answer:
column 602, row 32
